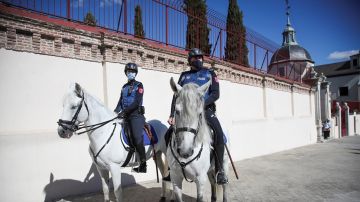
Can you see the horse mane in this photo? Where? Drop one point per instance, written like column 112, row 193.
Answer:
column 191, row 100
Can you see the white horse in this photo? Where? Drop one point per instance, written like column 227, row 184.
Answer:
column 107, row 152
column 189, row 150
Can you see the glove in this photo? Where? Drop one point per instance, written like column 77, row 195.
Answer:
column 121, row 115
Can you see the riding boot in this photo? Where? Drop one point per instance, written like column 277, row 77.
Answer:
column 142, row 167
column 221, row 178
column 167, row 135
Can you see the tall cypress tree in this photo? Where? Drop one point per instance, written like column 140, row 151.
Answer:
column 236, row 50
column 138, row 27
column 197, row 33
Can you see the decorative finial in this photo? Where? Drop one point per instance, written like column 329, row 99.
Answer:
column 288, row 12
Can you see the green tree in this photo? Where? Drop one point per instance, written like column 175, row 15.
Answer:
column 138, row 27
column 197, row 32
column 236, row 49
column 90, row 19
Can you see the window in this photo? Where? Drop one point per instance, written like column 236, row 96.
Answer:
column 344, row 91
column 281, row 71
column 355, row 62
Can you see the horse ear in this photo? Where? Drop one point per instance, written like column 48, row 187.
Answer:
column 78, row 90
column 174, row 86
column 202, row 89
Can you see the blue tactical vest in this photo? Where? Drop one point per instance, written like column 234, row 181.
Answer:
column 128, row 95
column 200, row 78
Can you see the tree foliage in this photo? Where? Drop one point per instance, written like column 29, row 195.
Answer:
column 197, row 32
column 138, row 26
column 90, row 19
column 236, row 49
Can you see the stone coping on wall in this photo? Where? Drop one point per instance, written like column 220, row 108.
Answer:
column 22, row 30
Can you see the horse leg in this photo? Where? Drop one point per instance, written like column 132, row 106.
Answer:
column 104, row 174
column 225, row 186
column 200, row 184
column 163, row 170
column 213, row 186
column 115, row 170
column 177, row 186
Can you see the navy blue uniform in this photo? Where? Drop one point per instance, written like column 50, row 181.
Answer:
column 130, row 102
column 200, row 77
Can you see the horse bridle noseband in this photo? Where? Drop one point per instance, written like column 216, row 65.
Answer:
column 189, row 129
column 71, row 125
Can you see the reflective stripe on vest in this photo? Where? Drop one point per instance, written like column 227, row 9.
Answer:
column 200, row 78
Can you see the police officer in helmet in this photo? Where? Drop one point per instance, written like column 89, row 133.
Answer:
column 130, row 108
column 200, row 75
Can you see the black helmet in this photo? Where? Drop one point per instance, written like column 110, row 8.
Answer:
column 195, row 52
column 131, row 66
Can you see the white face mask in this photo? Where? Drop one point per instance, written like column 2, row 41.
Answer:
column 131, row 75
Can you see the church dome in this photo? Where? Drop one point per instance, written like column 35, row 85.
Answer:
column 291, row 53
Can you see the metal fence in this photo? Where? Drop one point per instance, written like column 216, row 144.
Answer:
column 164, row 21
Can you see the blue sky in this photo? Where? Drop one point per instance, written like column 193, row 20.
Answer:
column 323, row 27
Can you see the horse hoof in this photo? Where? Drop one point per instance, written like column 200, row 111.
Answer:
column 172, row 201
column 213, row 199
column 162, row 199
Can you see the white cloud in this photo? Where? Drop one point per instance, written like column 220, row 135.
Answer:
column 338, row 55
column 109, row 2
column 80, row 3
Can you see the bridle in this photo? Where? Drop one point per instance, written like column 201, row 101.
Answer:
column 189, row 129
column 195, row 132
column 71, row 125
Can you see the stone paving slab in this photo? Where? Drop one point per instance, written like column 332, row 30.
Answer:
column 327, row 171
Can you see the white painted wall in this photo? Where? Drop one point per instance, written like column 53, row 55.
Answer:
column 34, row 158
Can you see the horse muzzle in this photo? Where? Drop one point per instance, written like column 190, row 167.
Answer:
column 64, row 133
column 185, row 155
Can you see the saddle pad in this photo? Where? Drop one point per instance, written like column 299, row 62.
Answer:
column 146, row 138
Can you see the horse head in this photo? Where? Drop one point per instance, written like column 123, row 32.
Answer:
column 75, row 111
column 190, row 126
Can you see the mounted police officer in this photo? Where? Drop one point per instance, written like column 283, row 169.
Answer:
column 200, row 75
column 130, row 108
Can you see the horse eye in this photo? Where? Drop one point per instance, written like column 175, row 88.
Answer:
column 73, row 107
column 177, row 112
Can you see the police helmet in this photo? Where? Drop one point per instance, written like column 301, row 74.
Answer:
column 195, row 52
column 132, row 67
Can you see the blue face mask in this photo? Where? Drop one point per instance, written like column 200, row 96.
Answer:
column 131, row 75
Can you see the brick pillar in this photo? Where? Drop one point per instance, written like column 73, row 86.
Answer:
column 11, row 38
column 58, row 44
column 36, row 42
column 94, row 51
column 77, row 47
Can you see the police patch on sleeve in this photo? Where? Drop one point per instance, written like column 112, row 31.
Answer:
column 140, row 90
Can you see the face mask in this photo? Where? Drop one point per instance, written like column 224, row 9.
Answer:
column 131, row 75
column 197, row 64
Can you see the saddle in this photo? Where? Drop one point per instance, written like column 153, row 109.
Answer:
column 150, row 136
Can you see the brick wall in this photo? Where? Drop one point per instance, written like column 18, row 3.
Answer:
column 21, row 33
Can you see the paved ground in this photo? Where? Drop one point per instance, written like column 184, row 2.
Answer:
column 328, row 171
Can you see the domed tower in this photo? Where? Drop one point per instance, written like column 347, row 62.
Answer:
column 291, row 60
